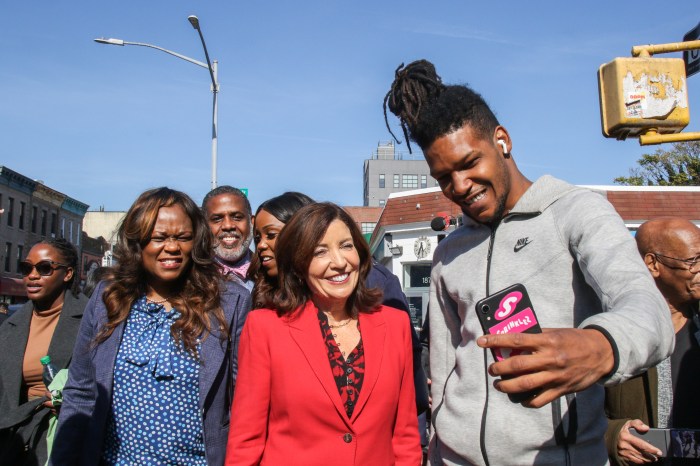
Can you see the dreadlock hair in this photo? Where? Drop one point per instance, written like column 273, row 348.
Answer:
column 427, row 109
column 69, row 257
column 226, row 189
column 281, row 207
column 198, row 300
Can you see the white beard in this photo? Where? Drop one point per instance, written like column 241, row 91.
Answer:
column 233, row 254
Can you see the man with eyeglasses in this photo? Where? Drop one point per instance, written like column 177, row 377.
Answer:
column 668, row 395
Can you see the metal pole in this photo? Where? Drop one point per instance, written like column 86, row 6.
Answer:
column 213, row 73
column 215, row 123
column 648, row 50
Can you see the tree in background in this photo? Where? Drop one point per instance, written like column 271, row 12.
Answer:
column 679, row 166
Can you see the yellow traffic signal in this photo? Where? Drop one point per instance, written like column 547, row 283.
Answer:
column 642, row 94
column 646, row 97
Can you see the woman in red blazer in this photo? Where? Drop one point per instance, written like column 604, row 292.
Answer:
column 326, row 377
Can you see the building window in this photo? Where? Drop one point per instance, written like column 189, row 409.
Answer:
column 424, row 181
column 43, row 222
column 34, row 216
column 22, row 209
column 63, row 228
column 417, row 275
column 367, row 227
column 19, row 256
column 397, row 181
column 70, row 231
column 381, row 180
column 382, row 202
column 10, row 210
column 77, row 237
column 54, row 224
column 410, row 181
column 8, row 252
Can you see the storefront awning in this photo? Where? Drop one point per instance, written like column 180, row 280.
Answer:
column 12, row 287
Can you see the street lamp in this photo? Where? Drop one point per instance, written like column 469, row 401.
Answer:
column 213, row 72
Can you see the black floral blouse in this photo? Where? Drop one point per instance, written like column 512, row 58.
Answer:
column 349, row 372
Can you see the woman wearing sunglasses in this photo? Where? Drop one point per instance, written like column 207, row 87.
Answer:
column 152, row 375
column 47, row 325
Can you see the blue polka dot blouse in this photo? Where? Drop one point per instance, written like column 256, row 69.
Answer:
column 155, row 417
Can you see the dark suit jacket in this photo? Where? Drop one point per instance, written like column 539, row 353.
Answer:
column 380, row 277
column 87, row 397
column 636, row 398
column 287, row 407
column 13, row 335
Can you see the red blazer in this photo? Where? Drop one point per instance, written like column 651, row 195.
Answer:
column 287, row 409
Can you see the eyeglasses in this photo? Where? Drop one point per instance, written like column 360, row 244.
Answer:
column 45, row 267
column 693, row 263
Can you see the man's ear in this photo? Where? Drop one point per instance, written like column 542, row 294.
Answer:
column 502, row 139
column 652, row 264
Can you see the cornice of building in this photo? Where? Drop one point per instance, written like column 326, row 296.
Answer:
column 16, row 180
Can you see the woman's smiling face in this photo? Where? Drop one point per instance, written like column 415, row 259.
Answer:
column 266, row 229
column 334, row 269
column 168, row 254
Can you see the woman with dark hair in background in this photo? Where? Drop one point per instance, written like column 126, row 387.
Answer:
column 153, row 368
column 47, row 325
column 270, row 218
column 94, row 277
column 326, row 373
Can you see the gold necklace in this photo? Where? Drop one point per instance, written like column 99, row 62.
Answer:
column 159, row 301
column 340, row 325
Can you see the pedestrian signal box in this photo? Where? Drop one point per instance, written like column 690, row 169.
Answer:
column 641, row 94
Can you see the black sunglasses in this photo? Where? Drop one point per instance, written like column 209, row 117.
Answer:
column 45, row 267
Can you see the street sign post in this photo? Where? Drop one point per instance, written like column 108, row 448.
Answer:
column 692, row 57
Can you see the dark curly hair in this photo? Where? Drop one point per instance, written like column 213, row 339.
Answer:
column 281, row 207
column 295, row 250
column 69, row 257
column 199, row 297
column 427, row 109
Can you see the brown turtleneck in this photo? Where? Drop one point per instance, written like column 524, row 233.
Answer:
column 41, row 331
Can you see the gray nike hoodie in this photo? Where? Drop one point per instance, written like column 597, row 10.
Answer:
column 581, row 268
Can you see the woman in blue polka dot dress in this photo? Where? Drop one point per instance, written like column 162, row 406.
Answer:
column 152, row 375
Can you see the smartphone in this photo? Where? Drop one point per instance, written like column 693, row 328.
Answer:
column 674, row 443
column 660, row 438
column 508, row 311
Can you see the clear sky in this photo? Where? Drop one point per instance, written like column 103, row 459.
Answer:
column 302, row 85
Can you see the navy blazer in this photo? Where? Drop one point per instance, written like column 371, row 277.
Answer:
column 380, row 277
column 87, row 397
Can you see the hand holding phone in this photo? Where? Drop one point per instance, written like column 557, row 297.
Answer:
column 638, row 444
column 508, row 311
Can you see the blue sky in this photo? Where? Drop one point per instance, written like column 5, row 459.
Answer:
column 302, row 85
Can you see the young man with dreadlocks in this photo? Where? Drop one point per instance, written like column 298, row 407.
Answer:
column 603, row 318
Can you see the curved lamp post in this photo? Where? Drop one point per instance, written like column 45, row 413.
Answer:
column 213, row 72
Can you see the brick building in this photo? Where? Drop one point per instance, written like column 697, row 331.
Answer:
column 31, row 212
